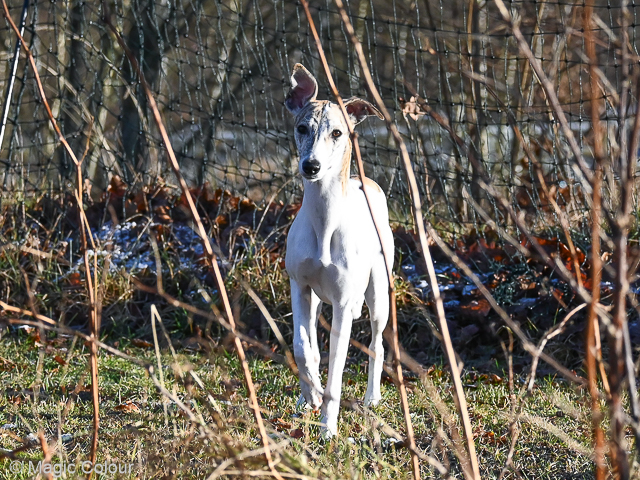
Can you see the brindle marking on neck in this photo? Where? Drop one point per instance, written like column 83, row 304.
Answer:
column 346, row 167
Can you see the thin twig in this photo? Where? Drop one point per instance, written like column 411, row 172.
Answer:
column 596, row 261
column 628, row 205
column 583, row 169
column 12, row 77
column 513, row 425
column 29, row 313
column 94, row 322
column 155, row 315
column 415, row 460
column 93, row 358
column 12, row 454
column 46, row 453
column 557, row 330
column 514, row 326
column 422, row 236
column 210, row 255
column 620, row 348
column 114, row 351
column 272, row 323
column 416, row 368
column 486, row 183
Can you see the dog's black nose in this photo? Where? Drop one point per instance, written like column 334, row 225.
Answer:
column 310, row 167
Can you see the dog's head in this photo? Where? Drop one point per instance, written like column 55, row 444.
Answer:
column 321, row 132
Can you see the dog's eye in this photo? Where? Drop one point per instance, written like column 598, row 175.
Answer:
column 336, row 133
column 302, row 129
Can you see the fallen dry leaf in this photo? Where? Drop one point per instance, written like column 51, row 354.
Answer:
column 411, row 108
column 137, row 342
column 281, row 424
column 127, row 407
column 60, row 360
column 297, row 433
column 74, row 279
column 6, row 365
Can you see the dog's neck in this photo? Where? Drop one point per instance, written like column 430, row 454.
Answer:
column 325, row 200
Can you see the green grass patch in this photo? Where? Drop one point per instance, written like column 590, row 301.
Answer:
column 45, row 388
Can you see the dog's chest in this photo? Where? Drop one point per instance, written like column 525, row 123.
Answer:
column 334, row 264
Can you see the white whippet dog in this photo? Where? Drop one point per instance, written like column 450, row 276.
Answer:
column 333, row 250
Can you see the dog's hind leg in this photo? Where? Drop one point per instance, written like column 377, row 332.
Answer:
column 377, row 298
column 305, row 305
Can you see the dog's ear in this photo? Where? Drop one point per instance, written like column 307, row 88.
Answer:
column 304, row 89
column 359, row 109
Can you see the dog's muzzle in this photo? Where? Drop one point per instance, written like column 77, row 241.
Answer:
column 310, row 168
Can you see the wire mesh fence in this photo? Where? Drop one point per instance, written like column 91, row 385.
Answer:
column 220, row 71
column 489, row 147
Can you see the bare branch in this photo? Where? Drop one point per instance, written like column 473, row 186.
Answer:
column 210, row 255
column 419, row 223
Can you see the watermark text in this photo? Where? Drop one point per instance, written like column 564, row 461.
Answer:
column 63, row 469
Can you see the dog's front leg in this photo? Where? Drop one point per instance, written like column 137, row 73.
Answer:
column 304, row 303
column 339, row 345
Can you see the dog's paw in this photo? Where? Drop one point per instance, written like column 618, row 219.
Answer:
column 328, row 428
column 372, row 400
column 326, row 435
column 312, row 396
column 303, row 406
